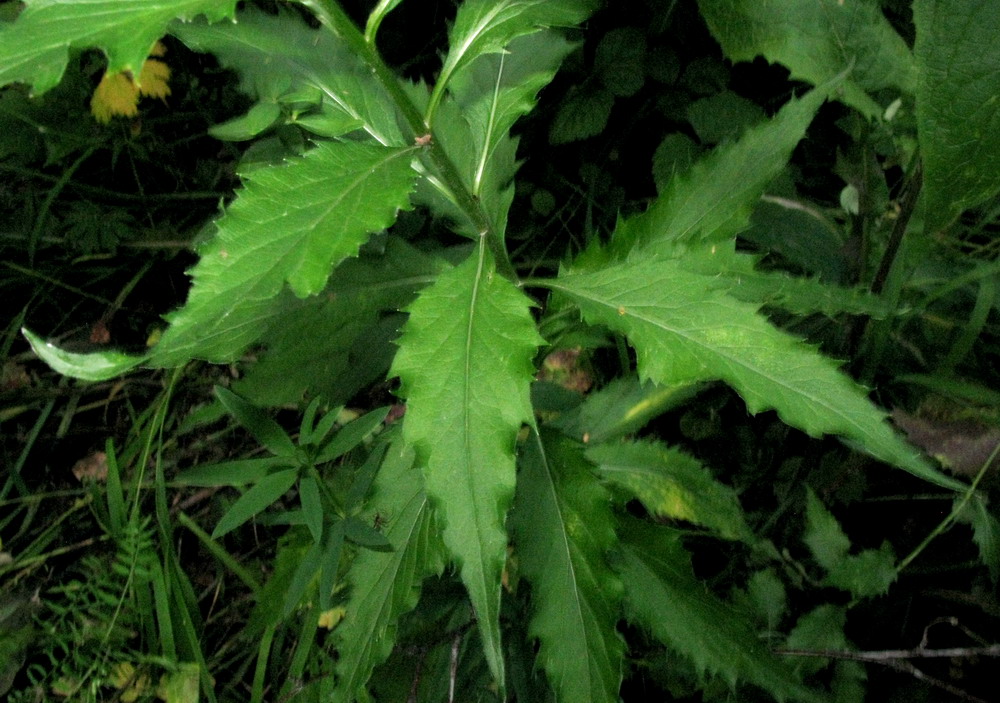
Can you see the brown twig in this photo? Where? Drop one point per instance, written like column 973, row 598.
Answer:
column 898, row 659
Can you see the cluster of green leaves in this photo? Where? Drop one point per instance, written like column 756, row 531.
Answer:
column 531, row 495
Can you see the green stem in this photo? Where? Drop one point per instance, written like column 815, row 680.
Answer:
column 50, row 198
column 333, row 17
column 953, row 515
column 216, row 550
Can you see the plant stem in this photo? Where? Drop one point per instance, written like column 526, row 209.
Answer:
column 332, row 16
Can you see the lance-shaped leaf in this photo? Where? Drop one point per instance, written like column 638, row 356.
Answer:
column 958, row 109
column 816, row 40
column 487, row 26
column 497, row 89
column 34, row 49
column 683, row 327
column 714, row 199
column 386, row 585
column 663, row 596
column 96, row 366
column 671, row 484
column 280, row 58
column 465, row 364
column 294, row 223
column 563, row 529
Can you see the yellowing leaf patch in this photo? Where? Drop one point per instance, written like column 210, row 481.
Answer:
column 118, row 92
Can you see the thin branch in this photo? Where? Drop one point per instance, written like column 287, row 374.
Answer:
column 887, row 655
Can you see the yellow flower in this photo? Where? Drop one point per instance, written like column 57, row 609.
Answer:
column 118, row 93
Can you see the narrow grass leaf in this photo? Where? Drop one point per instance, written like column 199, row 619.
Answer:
column 351, row 435
column 312, row 506
column 231, row 473
column 261, row 425
column 261, row 495
column 465, row 362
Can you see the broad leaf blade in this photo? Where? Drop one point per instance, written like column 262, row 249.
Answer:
column 958, row 113
column 498, row 89
column 671, row 484
column 487, row 26
column 385, row 585
column 335, row 344
column 279, row 58
column 95, row 366
column 662, row 595
column 985, row 533
column 622, row 407
column 685, row 329
column 35, row 48
column 713, row 200
column 465, row 365
column 294, row 223
column 816, row 40
column 563, row 529
column 263, row 493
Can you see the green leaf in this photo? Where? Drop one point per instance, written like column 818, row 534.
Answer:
column 663, row 596
column 671, row 484
column 35, row 48
column 385, row 585
column 869, row 573
column 487, row 26
column 95, row 366
column 497, row 89
column 365, row 535
column 563, row 528
column 816, row 40
column 280, row 58
column 335, row 344
column 823, row 535
column 583, row 113
column 351, row 435
column 767, row 594
column 622, row 407
column 820, row 628
column 714, row 199
column 261, row 495
column 259, row 118
column 261, row 425
column 465, row 365
column 985, row 533
column 231, row 473
column 619, row 61
column 293, row 222
column 958, row 107
column 723, row 116
column 312, row 506
column 685, row 329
